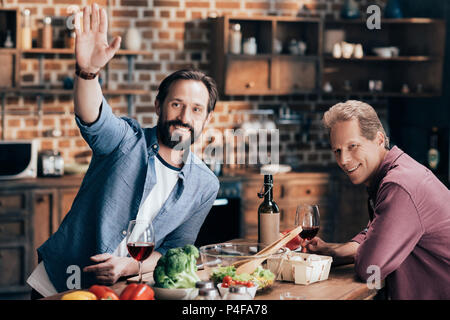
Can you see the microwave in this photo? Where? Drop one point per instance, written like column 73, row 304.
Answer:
column 18, row 159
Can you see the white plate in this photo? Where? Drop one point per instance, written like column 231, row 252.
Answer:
column 175, row 294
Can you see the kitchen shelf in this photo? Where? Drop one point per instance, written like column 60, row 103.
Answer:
column 382, row 59
column 71, row 51
column 421, row 42
column 50, row 92
column 267, row 72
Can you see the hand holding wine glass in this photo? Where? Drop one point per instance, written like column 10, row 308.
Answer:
column 140, row 241
column 308, row 217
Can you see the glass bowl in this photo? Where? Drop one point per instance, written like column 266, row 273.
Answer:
column 217, row 257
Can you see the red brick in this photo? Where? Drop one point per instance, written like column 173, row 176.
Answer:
column 147, row 66
column 32, row 1
column 13, row 123
column 164, row 35
column 227, row 5
column 165, row 45
column 181, row 14
column 286, row 6
column 164, row 14
column 197, row 4
column 134, row 3
column 149, row 23
column 165, row 3
column 78, row 2
column 175, row 24
column 27, row 134
column 125, row 13
column 257, row 5
column 64, row 143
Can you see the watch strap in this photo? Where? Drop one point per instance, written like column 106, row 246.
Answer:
column 83, row 74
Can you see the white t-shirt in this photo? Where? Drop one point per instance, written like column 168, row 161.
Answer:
column 166, row 177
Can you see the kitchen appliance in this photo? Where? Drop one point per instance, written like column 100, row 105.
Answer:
column 225, row 220
column 50, row 164
column 18, row 159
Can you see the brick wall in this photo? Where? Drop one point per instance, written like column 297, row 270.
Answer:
column 176, row 35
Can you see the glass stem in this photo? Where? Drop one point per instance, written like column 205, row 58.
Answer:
column 140, row 271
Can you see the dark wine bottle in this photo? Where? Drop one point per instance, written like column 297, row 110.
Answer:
column 268, row 214
column 433, row 159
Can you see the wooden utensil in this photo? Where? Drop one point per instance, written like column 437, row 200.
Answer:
column 249, row 265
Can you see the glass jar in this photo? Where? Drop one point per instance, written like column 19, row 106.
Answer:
column 46, row 36
column 208, row 294
column 235, row 39
column 26, row 29
column 250, row 46
column 237, row 293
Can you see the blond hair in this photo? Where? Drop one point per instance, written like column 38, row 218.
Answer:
column 368, row 120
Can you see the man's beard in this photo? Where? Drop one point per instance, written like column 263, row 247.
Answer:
column 175, row 142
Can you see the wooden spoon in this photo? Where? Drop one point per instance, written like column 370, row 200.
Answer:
column 249, row 265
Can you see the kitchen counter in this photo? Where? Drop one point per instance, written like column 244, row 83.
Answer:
column 342, row 284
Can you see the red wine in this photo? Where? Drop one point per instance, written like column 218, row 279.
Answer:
column 309, row 232
column 140, row 250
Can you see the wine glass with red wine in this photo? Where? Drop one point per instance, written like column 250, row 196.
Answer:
column 140, row 241
column 308, row 217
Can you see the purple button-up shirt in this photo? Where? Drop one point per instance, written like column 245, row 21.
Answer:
column 408, row 237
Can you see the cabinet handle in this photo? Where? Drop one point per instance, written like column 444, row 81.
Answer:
column 308, row 191
column 1, row 203
column 40, row 199
column 250, row 84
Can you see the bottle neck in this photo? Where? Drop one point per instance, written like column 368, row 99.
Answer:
column 268, row 192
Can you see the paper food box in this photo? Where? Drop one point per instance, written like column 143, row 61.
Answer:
column 301, row 268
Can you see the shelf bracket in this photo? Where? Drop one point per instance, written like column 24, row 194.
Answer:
column 41, row 69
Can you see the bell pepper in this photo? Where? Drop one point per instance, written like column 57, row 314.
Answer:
column 103, row 292
column 294, row 243
column 79, row 295
column 137, row 291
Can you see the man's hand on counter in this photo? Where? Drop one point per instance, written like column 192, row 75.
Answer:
column 108, row 268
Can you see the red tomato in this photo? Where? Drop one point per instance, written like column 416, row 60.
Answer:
column 225, row 285
column 227, row 279
column 294, row 243
column 249, row 284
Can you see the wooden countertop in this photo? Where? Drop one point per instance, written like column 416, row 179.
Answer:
column 342, row 284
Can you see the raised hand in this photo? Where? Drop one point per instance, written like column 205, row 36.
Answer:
column 92, row 51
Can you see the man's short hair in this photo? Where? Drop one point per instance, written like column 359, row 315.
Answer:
column 368, row 120
column 189, row 74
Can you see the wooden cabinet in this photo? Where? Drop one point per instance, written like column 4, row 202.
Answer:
column 271, row 71
column 417, row 67
column 415, row 72
column 31, row 211
column 289, row 191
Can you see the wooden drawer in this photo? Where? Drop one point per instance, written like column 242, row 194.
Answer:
column 12, row 266
column 306, row 190
column 12, row 229
column 247, row 76
column 12, row 202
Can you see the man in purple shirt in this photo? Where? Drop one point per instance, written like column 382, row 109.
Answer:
column 408, row 236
